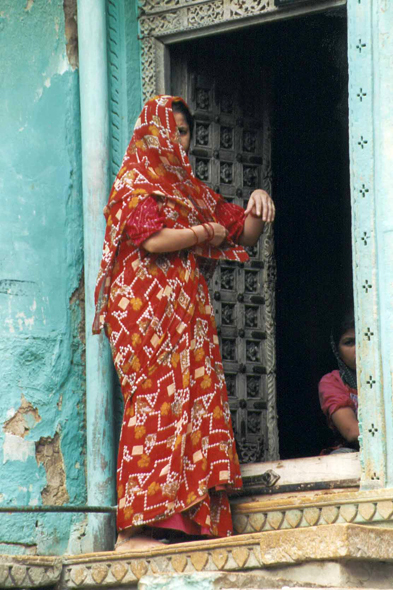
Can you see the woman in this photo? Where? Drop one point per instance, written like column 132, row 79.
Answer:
column 177, row 453
column 338, row 390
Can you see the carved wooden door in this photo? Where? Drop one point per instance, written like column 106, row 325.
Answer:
column 230, row 152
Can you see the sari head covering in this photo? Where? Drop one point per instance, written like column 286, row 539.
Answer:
column 155, row 164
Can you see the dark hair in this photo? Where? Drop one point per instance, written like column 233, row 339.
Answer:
column 342, row 324
column 178, row 106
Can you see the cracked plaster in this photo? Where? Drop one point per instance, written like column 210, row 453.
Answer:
column 41, row 306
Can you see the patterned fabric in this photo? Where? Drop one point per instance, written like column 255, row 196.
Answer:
column 144, row 221
column 177, row 451
column 156, row 164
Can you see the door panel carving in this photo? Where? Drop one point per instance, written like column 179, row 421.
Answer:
column 230, row 151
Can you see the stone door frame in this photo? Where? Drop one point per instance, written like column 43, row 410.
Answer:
column 165, row 22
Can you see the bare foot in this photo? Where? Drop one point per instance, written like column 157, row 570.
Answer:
column 136, row 543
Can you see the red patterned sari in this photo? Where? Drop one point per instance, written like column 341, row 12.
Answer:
column 177, row 454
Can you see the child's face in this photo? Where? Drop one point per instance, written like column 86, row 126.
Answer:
column 347, row 348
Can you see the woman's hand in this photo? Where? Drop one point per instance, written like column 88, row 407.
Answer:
column 260, row 210
column 261, row 205
column 220, row 234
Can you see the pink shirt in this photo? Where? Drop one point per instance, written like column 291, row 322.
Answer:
column 334, row 394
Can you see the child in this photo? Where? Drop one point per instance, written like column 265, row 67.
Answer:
column 338, row 390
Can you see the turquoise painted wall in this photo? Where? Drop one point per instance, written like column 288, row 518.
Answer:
column 42, row 417
column 125, row 103
column 125, row 83
column 133, row 61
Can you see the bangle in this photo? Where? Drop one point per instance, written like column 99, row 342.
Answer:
column 196, row 236
column 212, row 231
column 208, row 238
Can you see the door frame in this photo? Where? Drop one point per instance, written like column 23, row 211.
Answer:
column 183, row 20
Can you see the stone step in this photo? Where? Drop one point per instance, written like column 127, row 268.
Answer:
column 334, row 556
column 338, row 555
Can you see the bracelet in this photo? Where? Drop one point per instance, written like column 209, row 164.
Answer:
column 196, row 236
column 208, row 237
column 213, row 232
column 211, row 228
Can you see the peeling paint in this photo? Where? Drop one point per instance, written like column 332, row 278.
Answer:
column 48, row 453
column 71, row 31
column 16, row 448
column 77, row 302
column 25, row 418
column 42, row 433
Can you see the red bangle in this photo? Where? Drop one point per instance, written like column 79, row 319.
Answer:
column 212, row 230
column 208, row 238
column 196, row 236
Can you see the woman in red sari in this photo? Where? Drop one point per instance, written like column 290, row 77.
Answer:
column 177, row 455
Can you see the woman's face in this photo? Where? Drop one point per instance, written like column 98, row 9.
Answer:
column 184, row 131
column 347, row 348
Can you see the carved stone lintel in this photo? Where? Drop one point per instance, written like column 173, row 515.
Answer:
column 167, row 17
column 148, row 68
column 247, row 7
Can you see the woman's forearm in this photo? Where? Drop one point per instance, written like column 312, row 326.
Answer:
column 260, row 209
column 171, row 240
column 253, row 227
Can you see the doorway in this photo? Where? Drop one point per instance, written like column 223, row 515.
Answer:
column 294, row 75
column 313, row 228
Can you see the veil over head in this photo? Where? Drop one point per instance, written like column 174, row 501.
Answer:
column 156, row 165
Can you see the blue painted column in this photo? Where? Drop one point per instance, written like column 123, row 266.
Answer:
column 96, row 185
column 370, row 51
column 382, row 21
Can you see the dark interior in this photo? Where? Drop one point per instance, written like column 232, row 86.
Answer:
column 313, row 228
column 308, row 63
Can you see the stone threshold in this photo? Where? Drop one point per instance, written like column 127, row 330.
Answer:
column 294, row 510
column 275, row 555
